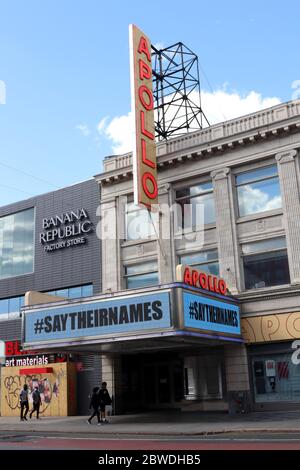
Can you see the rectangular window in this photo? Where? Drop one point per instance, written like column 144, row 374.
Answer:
column 11, row 305
column 197, row 206
column 139, row 223
column 204, row 261
column 265, row 263
column 17, row 244
column 73, row 292
column 258, row 190
column 141, row 275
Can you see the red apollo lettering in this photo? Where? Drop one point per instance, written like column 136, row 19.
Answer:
column 149, row 177
column 143, row 48
column 145, row 70
column 196, row 278
column 187, row 278
column 147, row 105
column 144, row 155
column 143, row 129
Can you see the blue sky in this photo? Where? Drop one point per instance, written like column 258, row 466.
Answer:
column 65, row 66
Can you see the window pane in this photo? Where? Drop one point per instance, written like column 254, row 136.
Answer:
column 14, row 304
column 259, row 197
column 210, row 268
column 61, row 293
column 194, row 209
column 16, row 243
column 264, row 245
column 139, row 223
column 194, row 190
column 87, row 290
column 266, row 269
column 142, row 268
column 200, row 257
column 3, row 306
column 143, row 280
column 257, row 174
column 74, row 292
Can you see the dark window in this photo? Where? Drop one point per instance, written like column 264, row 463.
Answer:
column 265, row 263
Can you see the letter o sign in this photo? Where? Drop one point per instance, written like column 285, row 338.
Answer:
column 151, row 189
column 148, row 103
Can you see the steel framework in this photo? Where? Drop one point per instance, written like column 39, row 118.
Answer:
column 176, row 91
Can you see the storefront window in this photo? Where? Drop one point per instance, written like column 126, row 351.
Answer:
column 258, row 190
column 17, row 244
column 196, row 202
column 206, row 261
column 141, row 275
column 276, row 378
column 265, row 263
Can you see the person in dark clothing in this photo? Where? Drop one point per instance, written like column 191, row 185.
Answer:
column 95, row 405
column 104, row 399
column 36, row 400
column 24, row 402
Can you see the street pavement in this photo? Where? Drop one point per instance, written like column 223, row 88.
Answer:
column 164, row 423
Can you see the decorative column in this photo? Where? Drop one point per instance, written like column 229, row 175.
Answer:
column 226, row 229
column 237, row 379
column 287, row 170
column 108, row 232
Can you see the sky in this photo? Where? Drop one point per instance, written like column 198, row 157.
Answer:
column 65, row 84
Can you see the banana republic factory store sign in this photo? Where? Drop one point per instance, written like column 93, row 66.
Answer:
column 65, row 230
column 162, row 316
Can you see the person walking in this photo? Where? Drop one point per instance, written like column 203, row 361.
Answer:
column 95, row 405
column 24, row 402
column 36, row 399
column 104, row 399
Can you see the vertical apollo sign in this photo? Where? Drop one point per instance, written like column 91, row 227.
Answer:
column 144, row 152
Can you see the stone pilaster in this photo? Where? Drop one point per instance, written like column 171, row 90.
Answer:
column 291, row 209
column 110, row 247
column 226, row 230
column 237, row 378
column 112, row 374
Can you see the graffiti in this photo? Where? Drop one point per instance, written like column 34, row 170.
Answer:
column 14, row 384
column 12, row 387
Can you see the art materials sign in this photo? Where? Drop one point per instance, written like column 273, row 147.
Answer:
column 144, row 152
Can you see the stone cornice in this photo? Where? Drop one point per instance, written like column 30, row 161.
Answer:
column 269, row 123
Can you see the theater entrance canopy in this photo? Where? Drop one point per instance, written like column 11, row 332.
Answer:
column 172, row 316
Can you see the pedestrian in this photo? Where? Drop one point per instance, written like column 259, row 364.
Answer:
column 24, row 402
column 95, row 405
column 104, row 399
column 36, row 400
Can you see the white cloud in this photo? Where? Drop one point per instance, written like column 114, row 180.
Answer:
column 222, row 105
column 120, row 132
column 84, row 129
column 101, row 125
column 256, row 200
column 218, row 106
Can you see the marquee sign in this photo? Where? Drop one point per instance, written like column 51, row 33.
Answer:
column 194, row 277
column 144, row 152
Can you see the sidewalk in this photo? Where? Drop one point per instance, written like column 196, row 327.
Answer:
column 161, row 423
